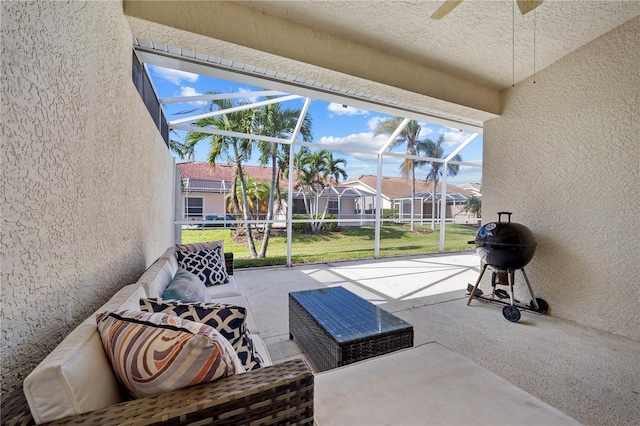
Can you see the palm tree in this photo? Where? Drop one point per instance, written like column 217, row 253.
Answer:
column 315, row 171
column 257, row 197
column 181, row 149
column 408, row 137
column 473, row 205
column 274, row 122
column 236, row 150
column 432, row 149
column 334, row 170
column 307, row 166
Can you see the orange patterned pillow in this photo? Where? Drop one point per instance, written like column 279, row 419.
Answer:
column 153, row 353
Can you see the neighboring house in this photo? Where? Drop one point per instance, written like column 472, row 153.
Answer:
column 473, row 188
column 205, row 188
column 396, row 194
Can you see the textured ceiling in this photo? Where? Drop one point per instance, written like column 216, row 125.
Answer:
column 481, row 41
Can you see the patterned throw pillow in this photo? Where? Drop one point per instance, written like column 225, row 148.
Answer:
column 205, row 264
column 153, row 353
column 209, row 245
column 229, row 320
column 187, row 287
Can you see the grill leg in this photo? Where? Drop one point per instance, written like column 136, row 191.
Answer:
column 511, row 277
column 484, row 268
column 533, row 297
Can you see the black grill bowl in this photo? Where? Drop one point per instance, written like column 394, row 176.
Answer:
column 505, row 245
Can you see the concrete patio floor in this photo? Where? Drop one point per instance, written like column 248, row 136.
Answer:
column 590, row 375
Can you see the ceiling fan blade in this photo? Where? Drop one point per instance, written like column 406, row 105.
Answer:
column 447, row 7
column 527, row 6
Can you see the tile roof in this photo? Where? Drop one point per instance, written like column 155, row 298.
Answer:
column 204, row 171
column 397, row 187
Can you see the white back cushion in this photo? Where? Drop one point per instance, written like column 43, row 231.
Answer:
column 158, row 276
column 170, row 254
column 76, row 377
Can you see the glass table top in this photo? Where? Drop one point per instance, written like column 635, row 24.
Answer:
column 346, row 316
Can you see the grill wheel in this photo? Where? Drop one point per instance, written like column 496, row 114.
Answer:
column 511, row 313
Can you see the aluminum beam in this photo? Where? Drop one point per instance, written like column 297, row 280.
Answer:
column 234, row 109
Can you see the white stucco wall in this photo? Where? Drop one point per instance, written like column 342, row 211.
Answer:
column 565, row 159
column 87, row 182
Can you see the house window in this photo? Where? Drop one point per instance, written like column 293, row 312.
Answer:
column 333, row 208
column 406, row 208
column 298, row 207
column 193, row 207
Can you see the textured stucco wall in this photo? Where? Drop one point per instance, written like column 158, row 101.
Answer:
column 87, row 182
column 565, row 159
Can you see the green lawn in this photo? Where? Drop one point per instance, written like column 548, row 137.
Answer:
column 351, row 242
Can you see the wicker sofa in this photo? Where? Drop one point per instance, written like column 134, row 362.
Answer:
column 75, row 383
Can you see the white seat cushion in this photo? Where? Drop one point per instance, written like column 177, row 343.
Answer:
column 229, row 289
column 261, row 349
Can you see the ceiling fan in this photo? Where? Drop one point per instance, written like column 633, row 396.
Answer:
column 525, row 7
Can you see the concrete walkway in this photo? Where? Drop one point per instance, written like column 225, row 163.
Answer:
column 588, row 374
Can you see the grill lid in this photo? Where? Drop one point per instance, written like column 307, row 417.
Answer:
column 505, row 245
column 505, row 234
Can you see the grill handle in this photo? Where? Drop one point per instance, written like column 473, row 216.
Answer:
column 500, row 216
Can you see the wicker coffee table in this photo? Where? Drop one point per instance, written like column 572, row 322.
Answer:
column 334, row 327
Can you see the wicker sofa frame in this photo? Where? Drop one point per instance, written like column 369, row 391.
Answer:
column 279, row 394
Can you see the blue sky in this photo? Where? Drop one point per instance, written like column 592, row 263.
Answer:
column 333, row 124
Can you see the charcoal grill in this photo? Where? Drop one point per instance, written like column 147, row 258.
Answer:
column 505, row 247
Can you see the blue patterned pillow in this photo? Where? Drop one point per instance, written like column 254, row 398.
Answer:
column 187, row 287
column 205, row 264
column 228, row 320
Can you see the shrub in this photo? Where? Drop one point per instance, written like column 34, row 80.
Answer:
column 386, row 213
column 390, row 213
column 300, row 228
column 306, row 227
column 329, row 226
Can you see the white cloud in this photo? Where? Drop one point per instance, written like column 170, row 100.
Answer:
column 454, row 137
column 373, row 122
column 364, row 140
column 189, row 91
column 466, row 175
column 341, row 110
column 425, row 131
column 365, row 158
column 175, row 76
column 249, row 99
column 358, row 167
